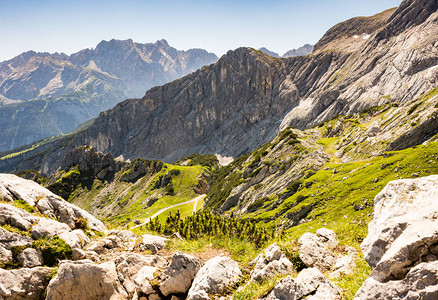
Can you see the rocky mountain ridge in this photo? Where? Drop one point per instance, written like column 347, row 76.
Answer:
column 43, row 95
column 247, row 97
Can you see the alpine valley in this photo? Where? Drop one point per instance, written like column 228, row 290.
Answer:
column 311, row 176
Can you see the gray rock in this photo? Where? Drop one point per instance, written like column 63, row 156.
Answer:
column 47, row 202
column 178, row 276
column 152, row 243
column 143, row 278
column 10, row 239
column 78, row 254
column 271, row 263
column 421, row 282
column 328, row 237
column 129, row 264
column 309, row 284
column 401, row 237
column 125, row 235
column 314, row 253
column 17, row 217
column 214, row 277
column 24, row 283
column 48, row 228
column 30, row 258
column 84, row 279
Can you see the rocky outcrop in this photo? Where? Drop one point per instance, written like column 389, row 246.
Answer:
column 309, row 284
column 26, row 283
column 272, row 262
column 214, row 277
column 47, row 203
column 402, row 240
column 315, row 253
column 86, row 280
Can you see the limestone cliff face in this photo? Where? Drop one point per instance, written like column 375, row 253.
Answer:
column 237, row 104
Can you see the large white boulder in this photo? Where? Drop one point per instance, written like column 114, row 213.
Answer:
column 178, row 276
column 86, row 280
column 25, row 283
column 30, row 258
column 214, row 277
column 402, row 239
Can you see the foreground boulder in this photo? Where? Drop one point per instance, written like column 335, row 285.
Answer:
column 85, row 280
column 214, row 277
column 309, row 284
column 24, row 283
column 14, row 187
column 178, row 276
column 129, row 264
column 271, row 263
column 402, row 242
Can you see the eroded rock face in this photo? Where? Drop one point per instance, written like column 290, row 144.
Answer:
column 26, row 283
column 214, row 277
column 85, row 279
column 402, row 241
column 309, row 284
column 178, row 276
column 271, row 263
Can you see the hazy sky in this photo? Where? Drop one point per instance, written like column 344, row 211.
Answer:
column 217, row 26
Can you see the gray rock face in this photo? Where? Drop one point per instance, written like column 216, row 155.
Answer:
column 309, row 284
column 214, row 277
column 24, row 283
column 401, row 245
column 86, row 280
column 178, row 276
column 271, row 263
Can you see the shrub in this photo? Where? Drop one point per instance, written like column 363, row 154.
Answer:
column 53, row 250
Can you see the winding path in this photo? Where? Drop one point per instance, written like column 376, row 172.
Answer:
column 172, row 206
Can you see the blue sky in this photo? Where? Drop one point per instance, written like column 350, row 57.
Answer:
column 217, row 26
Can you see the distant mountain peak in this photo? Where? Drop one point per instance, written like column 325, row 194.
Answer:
column 269, row 52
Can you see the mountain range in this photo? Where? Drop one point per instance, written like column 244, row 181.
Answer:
column 43, row 95
column 315, row 174
column 247, row 97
